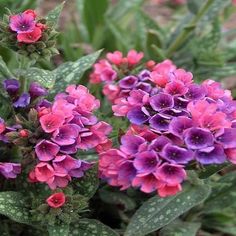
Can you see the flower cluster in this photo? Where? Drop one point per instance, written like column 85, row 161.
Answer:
column 28, row 34
column 189, row 123
column 68, row 125
column 110, row 71
column 20, row 100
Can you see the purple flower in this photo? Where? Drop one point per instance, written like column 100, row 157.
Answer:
column 179, row 124
column 180, row 103
column 65, row 163
column 227, row 137
column 137, row 116
column 145, row 162
column 176, row 154
column 211, row 155
column 195, row 92
column 10, row 170
column 22, row 23
column 160, row 122
column 11, row 86
column 128, row 82
column 171, row 174
column 197, row 138
column 22, row 101
column 161, row 101
column 46, row 150
column 144, row 86
column 131, row 143
column 36, row 90
column 80, row 167
column 144, row 75
column 158, row 143
column 66, row 134
column 69, row 149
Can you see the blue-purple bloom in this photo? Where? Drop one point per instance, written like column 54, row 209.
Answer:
column 128, row 82
column 11, row 86
column 161, row 101
column 36, row 90
column 160, row 122
column 137, row 116
column 22, row 101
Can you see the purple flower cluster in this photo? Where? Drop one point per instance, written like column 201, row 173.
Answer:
column 12, row 86
column 192, row 123
column 69, row 125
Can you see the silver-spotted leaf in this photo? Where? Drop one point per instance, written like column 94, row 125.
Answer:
column 62, row 230
column 53, row 15
column 71, row 72
column 14, row 206
column 91, row 227
column 158, row 212
column 4, row 71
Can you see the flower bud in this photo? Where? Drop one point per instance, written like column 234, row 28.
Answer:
column 24, row 133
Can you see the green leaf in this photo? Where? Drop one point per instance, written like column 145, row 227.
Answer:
column 4, row 71
column 117, row 198
column 194, row 5
column 90, row 227
column 158, row 212
column 53, row 16
column 14, row 206
column 71, row 72
column 61, row 230
column 87, row 186
column 123, row 7
column 211, row 170
column 180, row 228
column 45, row 77
column 93, row 14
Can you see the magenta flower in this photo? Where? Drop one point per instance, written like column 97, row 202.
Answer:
column 79, row 169
column 161, row 101
column 43, row 172
column 138, row 116
column 51, row 122
column 146, row 162
column 130, row 144
column 46, row 150
column 22, row 23
column 128, row 82
column 165, row 190
column 177, row 154
column 227, row 137
column 195, row 92
column 66, row 134
column 134, row 57
column 36, row 90
column 115, row 57
column 10, row 170
column 147, row 183
column 176, row 88
column 171, row 174
column 197, row 138
column 158, row 143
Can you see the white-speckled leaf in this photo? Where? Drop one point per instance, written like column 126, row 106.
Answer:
column 14, row 206
column 53, row 16
column 91, row 227
column 44, row 77
column 158, row 212
column 180, row 228
column 71, row 72
column 4, row 71
column 62, row 230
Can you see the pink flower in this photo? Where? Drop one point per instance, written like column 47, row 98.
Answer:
column 104, row 146
column 2, row 126
column 31, row 12
column 231, row 155
column 133, row 57
column 46, row 150
column 60, row 105
column 43, row 172
column 168, row 190
column 50, row 122
column 234, row 2
column 56, row 200
column 115, row 57
column 111, row 91
column 30, row 37
column 148, row 183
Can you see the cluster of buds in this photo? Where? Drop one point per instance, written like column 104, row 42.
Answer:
column 29, row 35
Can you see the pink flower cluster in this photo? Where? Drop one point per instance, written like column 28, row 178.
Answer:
column 189, row 123
column 27, row 28
column 69, row 125
column 109, row 71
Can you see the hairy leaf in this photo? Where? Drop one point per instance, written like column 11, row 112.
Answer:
column 61, row 230
column 53, row 16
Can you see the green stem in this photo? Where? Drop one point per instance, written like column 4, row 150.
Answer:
column 188, row 29
column 24, row 64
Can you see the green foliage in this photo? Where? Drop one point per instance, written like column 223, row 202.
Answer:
column 158, row 212
column 92, row 228
column 87, row 185
column 53, row 16
column 60, row 230
column 117, row 198
column 45, row 77
column 71, row 72
column 4, row 71
column 14, row 206
column 180, row 228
